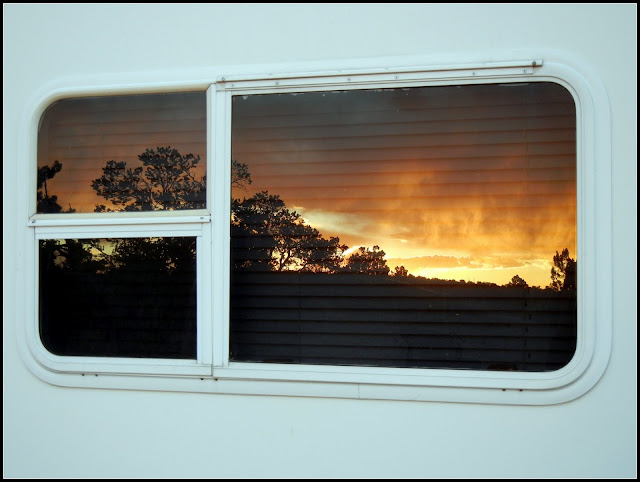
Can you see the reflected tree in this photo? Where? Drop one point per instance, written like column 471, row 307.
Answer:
column 72, row 255
column 166, row 181
column 268, row 236
column 365, row 260
column 153, row 255
column 46, row 203
column 563, row 272
column 400, row 271
column 240, row 176
column 517, row 281
column 323, row 255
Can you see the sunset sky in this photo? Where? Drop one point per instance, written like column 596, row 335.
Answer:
column 84, row 133
column 475, row 182
column 457, row 182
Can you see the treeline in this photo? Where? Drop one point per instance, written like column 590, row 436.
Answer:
column 265, row 234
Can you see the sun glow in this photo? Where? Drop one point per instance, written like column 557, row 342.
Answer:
column 475, row 183
column 470, row 182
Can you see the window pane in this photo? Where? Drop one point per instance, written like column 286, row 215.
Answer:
column 412, row 227
column 123, row 153
column 132, row 297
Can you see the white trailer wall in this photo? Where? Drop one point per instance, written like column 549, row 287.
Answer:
column 51, row 431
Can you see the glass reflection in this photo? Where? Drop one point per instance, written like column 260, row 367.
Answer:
column 123, row 153
column 127, row 297
column 407, row 227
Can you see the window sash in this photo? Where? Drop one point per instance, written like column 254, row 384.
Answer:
column 328, row 128
column 111, row 229
column 228, row 87
column 196, row 222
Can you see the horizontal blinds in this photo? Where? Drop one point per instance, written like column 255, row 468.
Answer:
column 488, row 170
column 118, row 298
column 436, row 141
column 83, row 134
column 368, row 320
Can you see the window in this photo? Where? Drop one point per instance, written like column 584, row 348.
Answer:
column 396, row 227
column 123, row 297
column 111, row 286
column 423, row 234
column 123, row 153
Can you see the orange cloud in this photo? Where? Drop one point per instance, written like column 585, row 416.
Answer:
column 478, row 180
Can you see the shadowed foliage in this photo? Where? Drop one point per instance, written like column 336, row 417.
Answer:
column 166, row 181
column 563, row 272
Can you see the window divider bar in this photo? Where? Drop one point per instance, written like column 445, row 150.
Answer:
column 115, row 221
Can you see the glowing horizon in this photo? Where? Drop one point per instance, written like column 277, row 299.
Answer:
column 84, row 133
column 474, row 183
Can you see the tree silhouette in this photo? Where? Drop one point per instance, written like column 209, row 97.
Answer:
column 323, row 255
column 48, row 203
column 71, row 255
column 165, row 181
column 240, row 176
column 268, row 236
column 517, row 281
column 400, row 271
column 563, row 272
column 152, row 255
column 365, row 260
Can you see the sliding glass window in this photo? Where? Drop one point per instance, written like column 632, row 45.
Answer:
column 422, row 227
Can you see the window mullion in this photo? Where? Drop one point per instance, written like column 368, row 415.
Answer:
column 221, row 115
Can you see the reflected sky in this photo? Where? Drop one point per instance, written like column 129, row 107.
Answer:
column 83, row 134
column 472, row 182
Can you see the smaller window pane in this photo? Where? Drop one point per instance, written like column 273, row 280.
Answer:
column 123, row 153
column 132, row 297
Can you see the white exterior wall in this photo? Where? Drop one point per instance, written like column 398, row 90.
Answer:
column 51, row 431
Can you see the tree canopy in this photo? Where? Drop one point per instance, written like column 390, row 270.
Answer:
column 563, row 272
column 266, row 234
column 269, row 236
column 517, row 281
column 45, row 202
column 166, row 181
column 365, row 260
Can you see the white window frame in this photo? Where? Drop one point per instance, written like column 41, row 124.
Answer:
column 86, row 364
column 213, row 373
column 187, row 223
